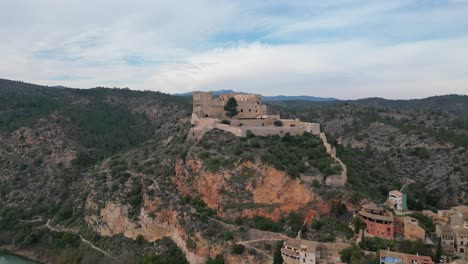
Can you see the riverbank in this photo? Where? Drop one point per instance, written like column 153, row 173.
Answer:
column 27, row 255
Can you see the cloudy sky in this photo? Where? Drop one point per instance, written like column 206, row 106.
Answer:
column 342, row 48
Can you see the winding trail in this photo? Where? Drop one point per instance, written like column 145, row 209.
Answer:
column 31, row 221
column 81, row 237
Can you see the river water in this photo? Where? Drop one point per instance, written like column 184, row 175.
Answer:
column 6, row 258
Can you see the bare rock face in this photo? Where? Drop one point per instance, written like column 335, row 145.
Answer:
column 113, row 219
column 154, row 222
column 274, row 187
column 263, row 191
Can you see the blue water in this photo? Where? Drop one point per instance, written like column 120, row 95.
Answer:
column 6, row 258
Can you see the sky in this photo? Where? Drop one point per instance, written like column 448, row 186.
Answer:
column 346, row 49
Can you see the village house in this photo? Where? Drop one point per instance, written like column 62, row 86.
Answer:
column 379, row 222
column 441, row 217
column 391, row 257
column 408, row 228
column 295, row 251
column 454, row 234
column 397, row 201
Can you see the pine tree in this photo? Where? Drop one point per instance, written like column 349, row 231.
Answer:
column 231, row 107
column 278, row 259
column 438, row 254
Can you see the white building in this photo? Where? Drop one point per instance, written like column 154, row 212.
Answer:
column 397, row 200
column 296, row 251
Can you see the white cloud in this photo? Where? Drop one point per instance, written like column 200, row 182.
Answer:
column 342, row 48
column 344, row 70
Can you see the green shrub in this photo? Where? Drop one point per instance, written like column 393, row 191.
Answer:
column 218, row 260
column 329, row 228
column 278, row 123
column 228, row 235
column 238, row 249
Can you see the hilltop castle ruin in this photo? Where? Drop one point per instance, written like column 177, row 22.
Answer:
column 208, row 113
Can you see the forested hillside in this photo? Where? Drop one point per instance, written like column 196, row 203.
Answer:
column 386, row 143
column 106, row 175
column 51, row 140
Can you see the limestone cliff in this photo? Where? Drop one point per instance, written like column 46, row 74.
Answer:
column 154, row 222
column 247, row 190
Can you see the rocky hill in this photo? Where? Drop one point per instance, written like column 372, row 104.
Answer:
column 386, row 143
column 107, row 175
column 102, row 175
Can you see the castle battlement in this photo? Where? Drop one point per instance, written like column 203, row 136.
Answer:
column 208, row 113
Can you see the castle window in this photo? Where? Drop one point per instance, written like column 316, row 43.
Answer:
column 206, row 115
column 250, row 110
column 242, row 110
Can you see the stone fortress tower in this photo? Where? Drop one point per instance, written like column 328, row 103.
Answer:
column 250, row 105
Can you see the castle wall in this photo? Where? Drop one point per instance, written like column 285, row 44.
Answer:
column 249, row 105
column 272, row 130
column 256, row 122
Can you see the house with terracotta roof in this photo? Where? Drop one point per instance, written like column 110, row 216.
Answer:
column 379, row 222
column 391, row 257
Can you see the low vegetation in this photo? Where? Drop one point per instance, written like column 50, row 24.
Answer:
column 294, row 154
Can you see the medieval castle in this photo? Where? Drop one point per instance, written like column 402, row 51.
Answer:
column 208, row 113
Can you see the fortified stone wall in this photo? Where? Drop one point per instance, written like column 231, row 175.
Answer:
column 281, row 131
column 259, row 122
column 334, row 180
column 249, row 105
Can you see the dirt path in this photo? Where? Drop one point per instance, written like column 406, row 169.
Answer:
column 31, row 221
column 81, row 237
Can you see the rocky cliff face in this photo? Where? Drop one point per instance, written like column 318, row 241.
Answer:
column 153, row 223
column 247, row 190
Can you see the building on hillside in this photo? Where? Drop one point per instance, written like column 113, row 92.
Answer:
column 208, row 113
column 397, row 200
column 454, row 234
column 454, row 240
column 379, row 222
column 461, row 242
column 391, row 257
column 459, row 216
column 441, row 217
column 447, row 236
column 408, row 228
column 297, row 251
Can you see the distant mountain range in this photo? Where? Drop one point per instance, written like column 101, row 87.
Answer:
column 274, row 98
